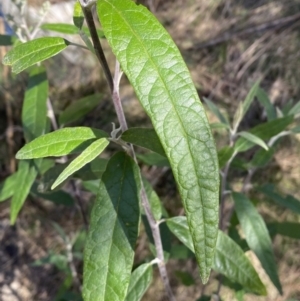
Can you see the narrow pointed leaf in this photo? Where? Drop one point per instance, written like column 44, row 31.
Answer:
column 60, row 143
column 7, row 187
column 92, row 171
column 250, row 97
column 288, row 202
column 140, row 280
column 229, row 260
column 295, row 110
column 264, row 131
column 257, row 236
column 154, row 200
column 224, row 154
column 34, row 110
column 265, row 101
column 287, row 229
column 6, row 40
column 154, row 159
column 143, row 137
column 78, row 16
column 26, row 175
column 109, row 250
column 214, row 109
column 79, row 108
column 219, row 126
column 262, row 157
column 32, row 52
column 88, row 155
column 254, row 139
column 155, row 68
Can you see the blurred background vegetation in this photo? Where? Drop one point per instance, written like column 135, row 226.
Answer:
column 228, row 45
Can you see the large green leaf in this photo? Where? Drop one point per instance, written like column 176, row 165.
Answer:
column 257, row 235
column 230, row 259
column 88, row 155
column 34, row 110
column 143, row 137
column 140, row 280
column 162, row 82
column 32, row 52
column 60, row 143
column 7, row 187
column 109, row 250
column 264, row 131
column 288, row 202
column 79, row 108
column 26, row 174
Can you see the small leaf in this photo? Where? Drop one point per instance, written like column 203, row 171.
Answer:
column 288, row 202
column 262, row 157
column 229, row 260
column 78, row 16
column 140, row 280
column 60, row 143
column 7, row 187
column 115, row 218
column 224, row 154
column 57, row 197
column 154, row 159
column 26, row 175
column 296, row 129
column 265, row 101
column 79, row 108
column 34, row 110
column 257, row 236
column 92, row 186
column 287, row 229
column 264, row 131
column 295, row 110
column 219, row 126
column 89, row 154
column 156, row 70
column 214, row 109
column 143, row 137
column 254, row 139
column 155, row 204
column 92, row 170
column 32, row 52
column 6, row 40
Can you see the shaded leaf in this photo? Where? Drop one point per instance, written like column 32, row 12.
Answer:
column 113, row 232
column 32, row 52
column 229, row 259
column 92, row 170
column 7, row 187
column 295, row 110
column 79, row 108
column 263, row 98
column 144, row 137
column 257, row 236
column 153, row 159
column 288, row 202
column 92, row 186
column 140, row 280
column 6, row 40
column 60, row 143
column 89, row 154
column 155, row 68
column 218, row 126
column 224, row 154
column 262, row 157
column 26, row 175
column 34, row 110
column 214, row 109
column 287, row 229
column 78, row 16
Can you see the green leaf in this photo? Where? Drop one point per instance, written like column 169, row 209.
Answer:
column 288, row 202
column 60, row 143
column 264, row 131
column 57, row 197
column 262, row 157
column 155, row 68
column 154, row 200
column 185, row 278
column 92, row 186
column 89, row 154
column 34, row 110
column 26, row 174
column 6, row 40
column 153, row 159
column 115, row 218
column 7, row 187
column 214, row 109
column 296, row 129
column 218, row 126
column 254, row 139
column 257, row 236
column 92, row 170
column 78, row 16
column 287, row 229
column 263, row 98
column 146, row 138
column 229, row 259
column 295, row 110
column 32, row 52
column 79, row 109
column 140, row 280
column 224, row 154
